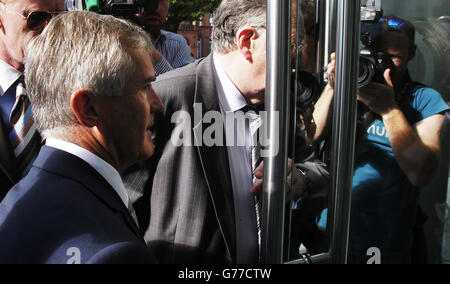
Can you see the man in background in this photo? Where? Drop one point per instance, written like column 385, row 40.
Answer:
column 20, row 21
column 171, row 49
column 397, row 153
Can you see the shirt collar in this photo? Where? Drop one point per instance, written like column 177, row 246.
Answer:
column 110, row 174
column 231, row 99
column 8, row 76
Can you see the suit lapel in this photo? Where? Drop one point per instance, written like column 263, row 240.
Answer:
column 214, row 159
column 70, row 166
column 7, row 160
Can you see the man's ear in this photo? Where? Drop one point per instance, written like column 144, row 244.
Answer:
column 82, row 103
column 245, row 42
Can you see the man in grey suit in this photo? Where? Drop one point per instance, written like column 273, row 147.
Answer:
column 201, row 208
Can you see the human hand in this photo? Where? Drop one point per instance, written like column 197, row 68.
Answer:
column 259, row 174
column 330, row 70
column 258, row 186
column 378, row 97
column 307, row 120
column 298, row 182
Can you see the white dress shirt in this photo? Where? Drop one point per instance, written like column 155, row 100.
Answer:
column 107, row 171
column 8, row 76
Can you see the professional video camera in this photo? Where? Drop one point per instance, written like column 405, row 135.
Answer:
column 117, row 8
column 372, row 62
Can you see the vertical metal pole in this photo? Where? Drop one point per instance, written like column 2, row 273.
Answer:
column 344, row 123
column 328, row 30
column 320, row 21
column 277, row 103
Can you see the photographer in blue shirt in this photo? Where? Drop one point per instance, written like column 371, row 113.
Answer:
column 398, row 152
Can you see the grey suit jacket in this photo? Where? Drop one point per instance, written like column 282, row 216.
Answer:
column 191, row 204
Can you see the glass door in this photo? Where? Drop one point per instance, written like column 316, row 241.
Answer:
column 310, row 221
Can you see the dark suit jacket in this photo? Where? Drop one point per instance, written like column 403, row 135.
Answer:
column 192, row 213
column 9, row 175
column 64, row 211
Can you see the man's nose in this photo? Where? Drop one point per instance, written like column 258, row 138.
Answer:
column 156, row 104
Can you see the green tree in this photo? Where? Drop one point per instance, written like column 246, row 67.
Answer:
column 191, row 10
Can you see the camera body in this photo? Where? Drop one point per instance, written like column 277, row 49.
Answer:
column 117, row 8
column 372, row 63
column 125, row 8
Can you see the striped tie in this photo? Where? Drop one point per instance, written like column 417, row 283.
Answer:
column 24, row 138
column 255, row 123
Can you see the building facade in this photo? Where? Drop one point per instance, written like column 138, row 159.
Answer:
column 198, row 35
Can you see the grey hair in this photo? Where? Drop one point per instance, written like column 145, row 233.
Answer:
column 78, row 51
column 230, row 16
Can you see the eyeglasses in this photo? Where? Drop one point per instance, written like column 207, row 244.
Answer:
column 396, row 24
column 36, row 20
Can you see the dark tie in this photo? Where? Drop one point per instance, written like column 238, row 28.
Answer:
column 24, row 138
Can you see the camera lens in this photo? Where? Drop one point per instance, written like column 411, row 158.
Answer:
column 308, row 89
column 366, row 72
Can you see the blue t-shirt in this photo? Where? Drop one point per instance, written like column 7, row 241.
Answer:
column 384, row 202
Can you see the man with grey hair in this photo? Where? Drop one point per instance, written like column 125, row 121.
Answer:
column 89, row 79
column 201, row 206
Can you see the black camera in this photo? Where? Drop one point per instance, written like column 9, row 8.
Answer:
column 372, row 62
column 308, row 90
column 372, row 65
column 126, row 8
column 117, row 8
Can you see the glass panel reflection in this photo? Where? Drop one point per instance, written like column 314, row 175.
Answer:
column 400, row 196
